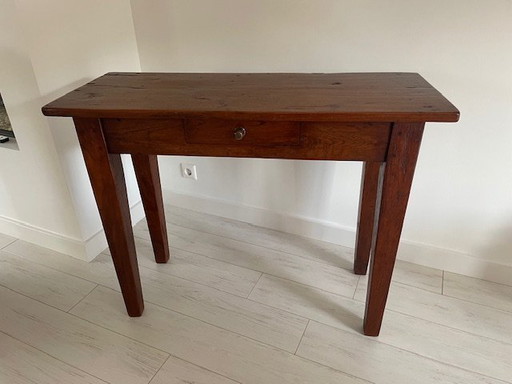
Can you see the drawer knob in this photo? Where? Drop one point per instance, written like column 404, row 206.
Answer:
column 240, row 133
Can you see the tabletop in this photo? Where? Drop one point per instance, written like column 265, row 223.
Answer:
column 378, row 97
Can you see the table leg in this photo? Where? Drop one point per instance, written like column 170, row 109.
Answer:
column 400, row 163
column 148, row 178
column 108, row 184
column 371, row 182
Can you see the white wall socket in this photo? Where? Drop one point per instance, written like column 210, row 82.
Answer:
column 188, row 171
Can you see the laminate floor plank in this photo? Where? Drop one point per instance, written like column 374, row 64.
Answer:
column 231, row 307
column 41, row 283
column 5, row 240
column 448, row 311
column 317, row 250
column 233, row 313
column 22, row 364
column 444, row 344
column 220, row 351
column 99, row 271
column 95, row 350
column 216, row 274
column 478, row 291
column 285, row 265
column 378, row 362
column 228, row 311
column 419, row 276
column 177, row 371
column 201, row 269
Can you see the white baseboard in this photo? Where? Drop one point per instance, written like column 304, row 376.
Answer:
column 418, row 253
column 81, row 249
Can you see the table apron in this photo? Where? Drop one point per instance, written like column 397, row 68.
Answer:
column 315, row 140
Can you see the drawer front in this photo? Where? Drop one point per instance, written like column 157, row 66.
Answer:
column 281, row 140
column 242, row 133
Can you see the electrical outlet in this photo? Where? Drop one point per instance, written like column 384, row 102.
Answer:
column 188, row 171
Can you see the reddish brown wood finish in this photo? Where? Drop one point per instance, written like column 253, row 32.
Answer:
column 371, row 183
column 364, row 97
column 148, row 178
column 404, row 146
column 318, row 141
column 258, row 133
column 377, row 118
column 108, row 183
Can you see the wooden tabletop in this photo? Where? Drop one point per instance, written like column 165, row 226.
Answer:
column 404, row 97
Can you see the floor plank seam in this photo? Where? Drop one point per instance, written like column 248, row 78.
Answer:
column 255, row 245
column 357, row 286
column 193, row 281
column 200, row 366
column 451, row 297
column 280, row 277
column 416, row 287
column 442, row 284
column 255, row 284
column 225, row 329
column 262, row 272
column 117, row 333
column 289, row 254
column 32, row 298
column 391, row 310
column 376, row 340
column 79, row 301
column 6, row 245
column 54, row 268
column 53, row 357
column 480, row 304
column 309, row 286
column 246, row 337
column 266, row 247
column 427, row 358
column 480, row 279
column 303, row 333
column 158, row 370
column 450, row 327
column 190, row 317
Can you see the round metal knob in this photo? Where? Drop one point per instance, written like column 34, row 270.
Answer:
column 239, row 133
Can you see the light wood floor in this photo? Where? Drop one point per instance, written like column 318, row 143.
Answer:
column 243, row 304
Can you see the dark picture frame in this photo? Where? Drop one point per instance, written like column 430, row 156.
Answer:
column 5, row 122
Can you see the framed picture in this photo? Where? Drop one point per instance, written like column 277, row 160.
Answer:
column 5, row 123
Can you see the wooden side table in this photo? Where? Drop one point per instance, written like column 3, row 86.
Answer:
column 377, row 118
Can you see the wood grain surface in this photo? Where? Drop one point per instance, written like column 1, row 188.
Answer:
column 386, row 97
column 148, row 178
column 403, row 152
column 109, row 187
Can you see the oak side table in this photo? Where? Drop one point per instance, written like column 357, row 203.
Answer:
column 376, row 118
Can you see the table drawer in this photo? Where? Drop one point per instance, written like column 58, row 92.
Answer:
column 235, row 132
column 273, row 139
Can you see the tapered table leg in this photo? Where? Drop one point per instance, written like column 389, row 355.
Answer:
column 371, row 180
column 400, row 164
column 108, row 184
column 146, row 170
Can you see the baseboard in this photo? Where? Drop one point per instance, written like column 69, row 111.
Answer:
column 81, row 249
column 418, row 253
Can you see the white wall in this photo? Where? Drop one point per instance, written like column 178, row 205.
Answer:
column 460, row 209
column 72, row 42
column 54, row 46
column 34, row 200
